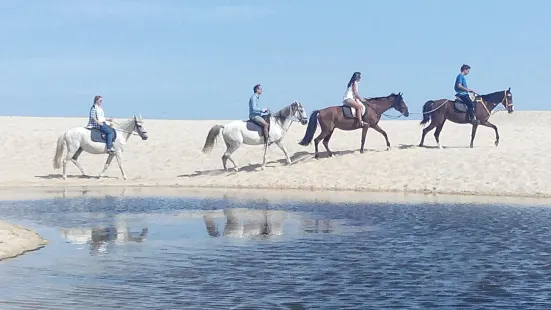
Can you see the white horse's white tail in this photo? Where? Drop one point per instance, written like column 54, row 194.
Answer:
column 59, row 151
column 211, row 138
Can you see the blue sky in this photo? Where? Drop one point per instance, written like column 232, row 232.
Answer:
column 200, row 59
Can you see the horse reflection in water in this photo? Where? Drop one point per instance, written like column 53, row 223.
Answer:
column 242, row 222
column 99, row 237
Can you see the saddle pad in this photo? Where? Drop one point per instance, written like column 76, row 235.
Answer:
column 98, row 136
column 460, row 106
column 350, row 112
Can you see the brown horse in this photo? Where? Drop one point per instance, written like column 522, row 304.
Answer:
column 341, row 117
column 438, row 111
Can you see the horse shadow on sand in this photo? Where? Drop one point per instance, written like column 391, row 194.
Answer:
column 53, row 176
column 415, row 146
column 296, row 158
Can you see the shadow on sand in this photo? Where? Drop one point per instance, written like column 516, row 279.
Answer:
column 69, row 176
column 298, row 157
column 415, row 146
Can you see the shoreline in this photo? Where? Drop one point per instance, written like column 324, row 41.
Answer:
column 22, row 193
column 16, row 240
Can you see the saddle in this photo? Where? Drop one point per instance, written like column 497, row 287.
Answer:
column 252, row 125
column 349, row 112
column 97, row 136
column 460, row 106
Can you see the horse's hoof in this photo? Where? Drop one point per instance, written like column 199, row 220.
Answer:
column 316, row 156
column 361, row 151
column 497, row 142
column 236, row 169
column 330, row 154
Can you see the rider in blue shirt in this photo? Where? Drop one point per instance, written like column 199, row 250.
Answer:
column 256, row 114
column 462, row 91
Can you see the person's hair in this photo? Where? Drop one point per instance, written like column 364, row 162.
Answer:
column 256, row 87
column 356, row 76
column 465, row 67
column 96, row 99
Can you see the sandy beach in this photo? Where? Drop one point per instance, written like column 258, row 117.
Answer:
column 16, row 240
column 172, row 157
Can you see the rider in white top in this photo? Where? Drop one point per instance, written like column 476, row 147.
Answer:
column 352, row 98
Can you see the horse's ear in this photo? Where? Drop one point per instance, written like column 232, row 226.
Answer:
column 509, row 90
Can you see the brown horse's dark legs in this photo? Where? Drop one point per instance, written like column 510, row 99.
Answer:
column 326, row 143
column 317, row 140
column 437, row 134
column 473, row 134
column 381, row 131
column 426, row 130
column 488, row 124
column 364, row 134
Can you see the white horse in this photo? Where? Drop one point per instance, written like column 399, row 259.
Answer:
column 247, row 132
column 79, row 139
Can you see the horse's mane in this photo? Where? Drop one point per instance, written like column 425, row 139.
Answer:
column 282, row 114
column 382, row 97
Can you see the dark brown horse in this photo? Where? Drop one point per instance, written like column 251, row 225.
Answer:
column 438, row 111
column 340, row 117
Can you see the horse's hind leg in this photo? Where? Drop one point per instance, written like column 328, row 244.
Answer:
column 71, row 151
column 107, row 164
column 437, row 134
column 326, row 143
column 426, row 130
column 227, row 155
column 317, row 140
column 74, row 159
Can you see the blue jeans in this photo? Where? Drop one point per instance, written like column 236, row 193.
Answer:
column 108, row 131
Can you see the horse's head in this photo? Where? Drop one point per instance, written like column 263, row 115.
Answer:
column 138, row 127
column 298, row 113
column 508, row 101
column 400, row 104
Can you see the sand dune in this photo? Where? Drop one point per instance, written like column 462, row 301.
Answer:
column 172, row 156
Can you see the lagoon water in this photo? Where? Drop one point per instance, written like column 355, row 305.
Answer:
column 177, row 253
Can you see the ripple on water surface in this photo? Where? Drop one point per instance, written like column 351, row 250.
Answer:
column 174, row 253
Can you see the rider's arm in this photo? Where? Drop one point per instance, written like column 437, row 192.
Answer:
column 460, row 85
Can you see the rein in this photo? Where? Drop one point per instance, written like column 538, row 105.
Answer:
column 125, row 131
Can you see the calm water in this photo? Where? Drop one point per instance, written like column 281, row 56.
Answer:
column 130, row 253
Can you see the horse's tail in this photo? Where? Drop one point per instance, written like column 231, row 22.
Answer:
column 311, row 129
column 59, row 151
column 426, row 112
column 211, row 138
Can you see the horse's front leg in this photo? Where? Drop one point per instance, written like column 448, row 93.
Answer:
column 282, row 147
column 381, row 131
column 264, row 160
column 488, row 124
column 364, row 134
column 118, row 155
column 473, row 134
column 107, row 163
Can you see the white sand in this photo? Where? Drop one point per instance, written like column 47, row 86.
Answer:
column 172, row 156
column 16, row 240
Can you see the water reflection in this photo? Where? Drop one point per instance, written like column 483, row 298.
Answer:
column 100, row 238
